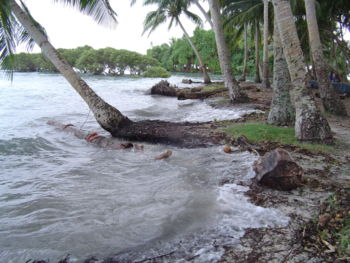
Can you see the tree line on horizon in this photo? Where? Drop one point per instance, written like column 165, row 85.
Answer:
column 107, row 61
column 295, row 55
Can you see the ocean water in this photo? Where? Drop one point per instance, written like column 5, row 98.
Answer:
column 60, row 195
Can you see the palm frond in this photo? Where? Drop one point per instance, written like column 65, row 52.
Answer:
column 153, row 20
column 100, row 10
column 8, row 25
column 193, row 17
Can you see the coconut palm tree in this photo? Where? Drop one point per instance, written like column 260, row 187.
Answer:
column 106, row 115
column 172, row 9
column 224, row 57
column 310, row 125
column 245, row 60
column 240, row 12
column 282, row 112
column 265, row 80
column 330, row 100
column 205, row 14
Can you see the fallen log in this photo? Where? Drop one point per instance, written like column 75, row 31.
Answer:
column 186, row 95
column 94, row 138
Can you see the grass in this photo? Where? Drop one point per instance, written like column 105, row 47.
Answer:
column 262, row 132
column 213, row 87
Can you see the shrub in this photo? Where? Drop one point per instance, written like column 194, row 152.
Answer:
column 156, row 72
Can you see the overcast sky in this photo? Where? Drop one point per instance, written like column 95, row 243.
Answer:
column 67, row 28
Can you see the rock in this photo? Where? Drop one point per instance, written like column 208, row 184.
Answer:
column 187, row 81
column 164, row 88
column 277, row 170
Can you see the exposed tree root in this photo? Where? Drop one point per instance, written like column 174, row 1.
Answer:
column 182, row 134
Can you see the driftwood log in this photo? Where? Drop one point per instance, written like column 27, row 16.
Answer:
column 94, row 138
column 164, row 88
column 197, row 94
column 102, row 141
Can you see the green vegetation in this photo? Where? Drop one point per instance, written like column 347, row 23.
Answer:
column 213, row 87
column 156, row 72
column 88, row 60
column 178, row 56
column 262, row 132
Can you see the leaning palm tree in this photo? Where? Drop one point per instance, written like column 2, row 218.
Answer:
column 224, row 57
column 172, row 9
column 330, row 100
column 15, row 19
column 17, row 24
column 310, row 125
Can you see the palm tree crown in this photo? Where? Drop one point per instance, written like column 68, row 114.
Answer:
column 168, row 9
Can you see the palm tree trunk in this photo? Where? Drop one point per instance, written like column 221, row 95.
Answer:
column 310, row 125
column 257, row 55
column 331, row 101
column 245, row 63
column 106, row 115
column 224, row 56
column 282, row 112
column 204, row 70
column 207, row 17
column 266, row 81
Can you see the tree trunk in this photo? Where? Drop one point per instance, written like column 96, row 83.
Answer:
column 106, row 115
column 282, row 112
column 257, row 55
column 330, row 99
column 207, row 17
column 204, row 70
column 309, row 124
column 245, row 63
column 266, row 81
column 224, row 56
